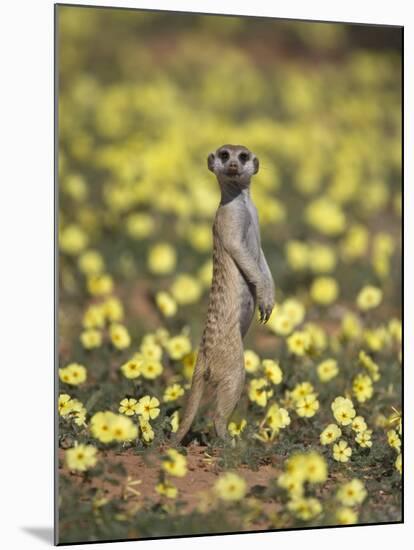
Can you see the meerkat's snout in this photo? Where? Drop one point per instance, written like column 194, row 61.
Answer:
column 232, row 167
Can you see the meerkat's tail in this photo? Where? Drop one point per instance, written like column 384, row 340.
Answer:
column 193, row 402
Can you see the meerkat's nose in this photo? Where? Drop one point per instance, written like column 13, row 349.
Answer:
column 233, row 164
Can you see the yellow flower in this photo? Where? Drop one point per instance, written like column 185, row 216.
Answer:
column 280, row 323
column 139, row 225
column 277, row 417
column 305, row 508
column 175, row 421
column 161, row 336
column 315, row 468
column 346, row 516
column 398, row 463
column 395, row 329
column 75, row 186
column 395, row 418
column 166, row 489
column 368, row 363
column 73, row 240
column 294, row 310
column 189, row 361
column 91, row 262
column 259, row 391
column 147, row 433
column 230, row 487
column 74, row 374
column 132, row 368
column 119, row 335
column 296, row 465
column 81, row 457
column 341, row 451
column 383, row 244
column 149, row 339
column 355, row 243
column 343, row 410
column 186, row 289
column 166, row 304
column 151, row 350
column 94, row 317
column 364, row 438
column 91, row 338
column 351, row 326
column 351, row 493
column 291, row 483
column 148, row 407
column 330, row 434
column 369, row 297
column 173, row 392
column 324, row 290
column 317, row 336
column 302, row 390
column 251, row 361
column 297, row 254
column 65, row 404
column 235, row 429
column 100, row 285
column 122, row 428
column 272, row 371
column 162, row 259
column 151, row 369
column 327, row 370
column 174, row 463
column 128, row 406
column 359, row 424
column 376, row 338
column 299, row 342
column 325, row 216
column 178, row 346
column 199, row 236
column 362, row 387
column 72, row 408
column 307, row 406
column 394, row 440
column 79, row 413
column 322, row 258
column 100, row 426
column 113, row 310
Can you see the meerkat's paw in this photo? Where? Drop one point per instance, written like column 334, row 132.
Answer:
column 264, row 314
column 266, row 305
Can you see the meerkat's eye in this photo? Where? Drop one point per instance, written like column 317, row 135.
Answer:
column 244, row 157
column 224, row 155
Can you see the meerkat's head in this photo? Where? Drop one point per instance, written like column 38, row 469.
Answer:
column 233, row 164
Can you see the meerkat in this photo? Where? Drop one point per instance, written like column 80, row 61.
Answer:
column 241, row 281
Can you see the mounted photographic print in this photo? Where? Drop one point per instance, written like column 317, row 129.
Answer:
column 229, row 279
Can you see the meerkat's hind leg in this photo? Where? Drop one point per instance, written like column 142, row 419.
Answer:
column 193, row 402
column 228, row 395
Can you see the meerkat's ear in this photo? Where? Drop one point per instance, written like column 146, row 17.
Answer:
column 256, row 165
column 210, row 161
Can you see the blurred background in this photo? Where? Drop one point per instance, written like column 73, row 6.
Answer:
column 144, row 97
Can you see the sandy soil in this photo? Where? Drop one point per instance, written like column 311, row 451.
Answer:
column 202, row 474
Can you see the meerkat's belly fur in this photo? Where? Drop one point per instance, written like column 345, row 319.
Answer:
column 231, row 305
column 241, row 278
